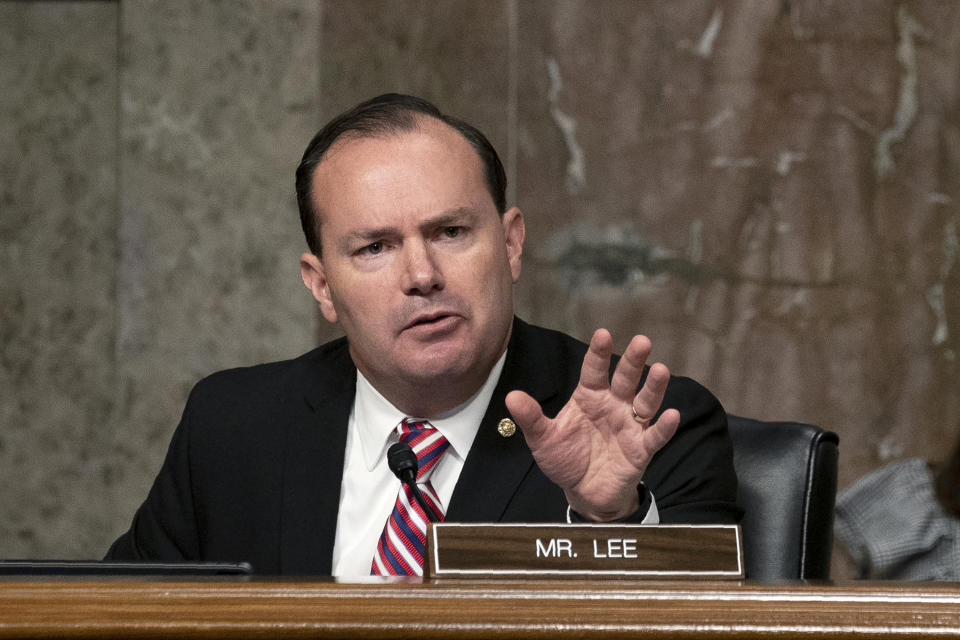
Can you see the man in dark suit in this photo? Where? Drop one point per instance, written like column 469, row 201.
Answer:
column 415, row 254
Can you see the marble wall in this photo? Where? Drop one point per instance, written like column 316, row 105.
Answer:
column 768, row 189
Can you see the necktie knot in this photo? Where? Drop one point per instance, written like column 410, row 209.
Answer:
column 427, row 443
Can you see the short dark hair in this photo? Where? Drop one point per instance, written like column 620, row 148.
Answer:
column 384, row 115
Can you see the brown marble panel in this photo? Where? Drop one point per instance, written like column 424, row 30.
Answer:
column 768, row 190
column 58, row 214
column 455, row 53
column 217, row 102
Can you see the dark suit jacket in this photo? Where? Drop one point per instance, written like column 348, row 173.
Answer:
column 254, row 469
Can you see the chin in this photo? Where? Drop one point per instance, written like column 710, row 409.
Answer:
column 440, row 366
column 438, row 371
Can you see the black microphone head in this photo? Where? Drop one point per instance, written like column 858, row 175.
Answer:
column 403, row 462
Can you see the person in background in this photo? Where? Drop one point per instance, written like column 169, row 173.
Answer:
column 902, row 521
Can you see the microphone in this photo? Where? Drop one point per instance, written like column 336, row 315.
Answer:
column 403, row 462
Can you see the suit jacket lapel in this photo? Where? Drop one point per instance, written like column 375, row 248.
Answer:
column 313, row 462
column 496, row 466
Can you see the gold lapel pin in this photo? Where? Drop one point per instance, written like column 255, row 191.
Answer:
column 507, row 427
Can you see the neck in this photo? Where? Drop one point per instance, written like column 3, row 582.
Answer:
column 433, row 396
column 430, row 397
column 436, row 398
column 414, row 404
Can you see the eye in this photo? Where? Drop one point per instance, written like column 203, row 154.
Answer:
column 371, row 249
column 452, row 231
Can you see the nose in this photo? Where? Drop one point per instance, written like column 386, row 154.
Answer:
column 421, row 273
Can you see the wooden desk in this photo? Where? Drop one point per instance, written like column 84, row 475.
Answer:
column 274, row 609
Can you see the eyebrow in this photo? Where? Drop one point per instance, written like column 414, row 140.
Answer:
column 446, row 218
column 450, row 217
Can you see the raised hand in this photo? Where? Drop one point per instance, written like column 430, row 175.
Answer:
column 599, row 445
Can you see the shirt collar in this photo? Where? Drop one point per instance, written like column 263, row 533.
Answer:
column 376, row 418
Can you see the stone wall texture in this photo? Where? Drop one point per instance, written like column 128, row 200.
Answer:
column 769, row 190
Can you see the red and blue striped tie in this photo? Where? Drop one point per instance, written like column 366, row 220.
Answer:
column 401, row 545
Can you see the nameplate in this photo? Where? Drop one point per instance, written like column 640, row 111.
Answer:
column 584, row 551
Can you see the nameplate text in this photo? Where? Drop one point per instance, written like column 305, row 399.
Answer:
column 585, row 550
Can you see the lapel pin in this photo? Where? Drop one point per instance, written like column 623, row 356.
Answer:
column 507, row 427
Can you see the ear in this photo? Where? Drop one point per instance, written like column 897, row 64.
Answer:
column 315, row 278
column 514, row 231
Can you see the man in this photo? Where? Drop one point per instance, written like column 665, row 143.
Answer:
column 415, row 254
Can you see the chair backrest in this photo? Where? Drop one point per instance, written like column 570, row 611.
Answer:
column 787, row 473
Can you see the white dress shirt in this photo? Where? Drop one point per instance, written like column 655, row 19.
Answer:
column 369, row 489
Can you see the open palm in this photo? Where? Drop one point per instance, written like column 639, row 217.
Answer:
column 595, row 449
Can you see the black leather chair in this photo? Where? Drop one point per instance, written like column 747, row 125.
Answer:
column 787, row 474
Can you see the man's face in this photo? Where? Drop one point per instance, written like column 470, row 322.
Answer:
column 418, row 266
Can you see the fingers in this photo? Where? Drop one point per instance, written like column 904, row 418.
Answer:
column 594, row 374
column 629, row 369
column 648, row 400
column 641, row 441
column 662, row 430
